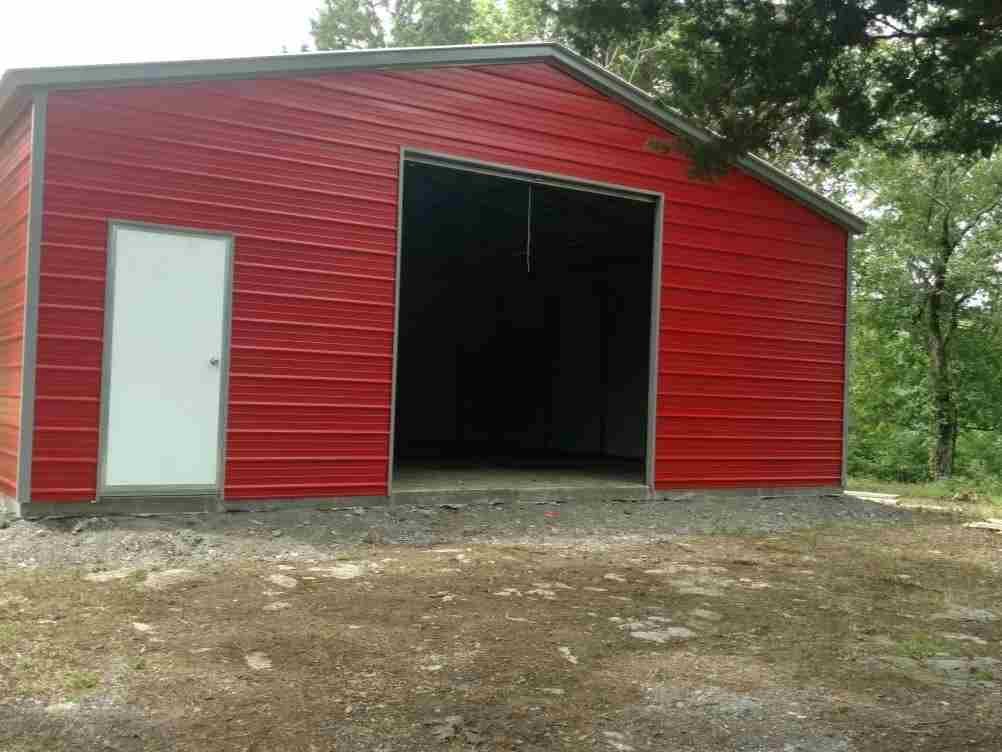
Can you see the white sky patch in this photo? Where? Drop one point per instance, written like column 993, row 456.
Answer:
column 68, row 32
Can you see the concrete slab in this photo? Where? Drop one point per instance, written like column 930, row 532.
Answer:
column 453, row 476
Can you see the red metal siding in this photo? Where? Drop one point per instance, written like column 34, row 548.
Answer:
column 15, row 175
column 304, row 171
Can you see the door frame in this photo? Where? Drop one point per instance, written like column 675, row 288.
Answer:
column 172, row 490
column 569, row 182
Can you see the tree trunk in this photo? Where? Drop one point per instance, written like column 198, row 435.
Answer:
column 941, row 322
column 944, row 423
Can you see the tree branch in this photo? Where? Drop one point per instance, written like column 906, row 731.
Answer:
column 981, row 214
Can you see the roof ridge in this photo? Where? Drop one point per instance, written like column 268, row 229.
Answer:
column 17, row 85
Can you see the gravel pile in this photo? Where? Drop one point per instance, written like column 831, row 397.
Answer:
column 313, row 534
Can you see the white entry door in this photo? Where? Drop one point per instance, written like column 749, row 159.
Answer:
column 164, row 360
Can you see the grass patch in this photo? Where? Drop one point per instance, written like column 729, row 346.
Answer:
column 921, row 647
column 956, row 490
column 80, row 681
column 8, row 634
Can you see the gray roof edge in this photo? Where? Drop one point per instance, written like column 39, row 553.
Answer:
column 181, row 70
column 644, row 103
column 14, row 82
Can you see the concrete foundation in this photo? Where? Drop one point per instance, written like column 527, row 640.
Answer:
column 432, row 483
column 504, row 475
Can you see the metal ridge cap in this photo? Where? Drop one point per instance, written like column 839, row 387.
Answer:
column 306, row 61
column 72, row 76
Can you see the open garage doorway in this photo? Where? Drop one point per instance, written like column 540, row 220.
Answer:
column 524, row 333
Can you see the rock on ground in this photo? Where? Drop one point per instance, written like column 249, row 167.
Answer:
column 114, row 574
column 283, row 581
column 967, row 613
column 258, row 661
column 669, row 634
column 340, row 571
column 170, row 578
column 705, row 614
column 960, row 637
column 568, row 655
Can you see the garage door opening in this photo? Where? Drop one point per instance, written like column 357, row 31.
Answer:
column 524, row 333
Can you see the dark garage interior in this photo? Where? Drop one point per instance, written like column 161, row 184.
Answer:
column 524, row 333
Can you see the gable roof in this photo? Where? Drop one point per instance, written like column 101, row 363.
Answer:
column 17, row 85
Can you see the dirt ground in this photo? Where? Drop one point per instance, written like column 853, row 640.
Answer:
column 771, row 625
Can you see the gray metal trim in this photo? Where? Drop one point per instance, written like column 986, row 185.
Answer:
column 396, row 320
column 646, row 105
column 158, row 491
column 275, row 65
column 417, row 57
column 106, row 344
column 568, row 182
column 653, row 360
column 29, row 353
column 801, row 192
column 846, row 360
column 552, row 179
column 225, row 355
column 762, row 492
column 103, row 490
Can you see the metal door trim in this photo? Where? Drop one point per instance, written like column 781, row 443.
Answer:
column 103, row 491
column 656, row 198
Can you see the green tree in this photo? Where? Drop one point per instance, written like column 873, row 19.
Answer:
column 369, row 24
column 510, row 21
column 889, row 406
column 928, row 279
column 760, row 72
column 624, row 37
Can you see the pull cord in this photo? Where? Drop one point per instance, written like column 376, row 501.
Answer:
column 528, row 233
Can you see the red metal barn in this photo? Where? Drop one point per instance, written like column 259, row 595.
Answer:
column 462, row 270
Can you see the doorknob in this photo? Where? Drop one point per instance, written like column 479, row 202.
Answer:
column 214, row 361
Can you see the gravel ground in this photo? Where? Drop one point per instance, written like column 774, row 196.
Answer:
column 296, row 533
column 707, row 625
column 796, row 624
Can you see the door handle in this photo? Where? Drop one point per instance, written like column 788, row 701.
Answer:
column 214, row 361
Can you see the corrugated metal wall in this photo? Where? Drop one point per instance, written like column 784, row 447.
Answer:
column 15, row 178
column 304, row 172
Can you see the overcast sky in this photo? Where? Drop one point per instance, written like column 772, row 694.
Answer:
column 71, row 32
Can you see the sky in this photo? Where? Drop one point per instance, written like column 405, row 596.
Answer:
column 78, row 32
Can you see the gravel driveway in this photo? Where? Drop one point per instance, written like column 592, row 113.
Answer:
column 699, row 625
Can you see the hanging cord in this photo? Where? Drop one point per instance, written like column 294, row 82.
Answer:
column 528, row 233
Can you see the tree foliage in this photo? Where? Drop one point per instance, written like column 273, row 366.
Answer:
column 928, row 348
column 369, row 24
column 510, row 21
column 828, row 72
